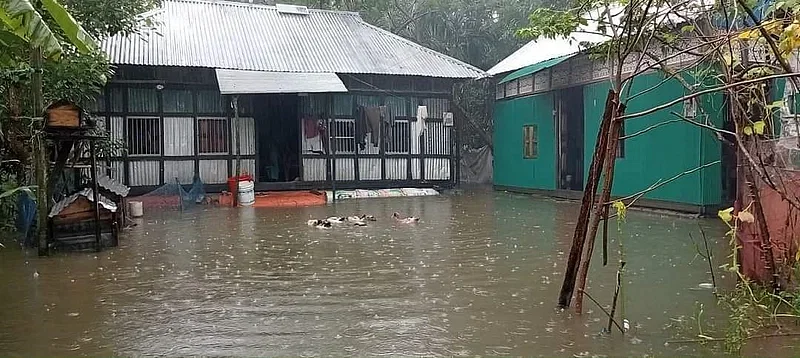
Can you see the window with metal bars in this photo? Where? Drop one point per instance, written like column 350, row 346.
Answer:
column 144, row 136
column 530, row 141
column 399, row 142
column 343, row 135
column 213, row 135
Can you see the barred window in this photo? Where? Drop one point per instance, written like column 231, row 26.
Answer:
column 213, row 135
column 530, row 141
column 144, row 136
column 399, row 142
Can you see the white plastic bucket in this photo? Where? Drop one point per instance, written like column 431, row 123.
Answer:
column 247, row 194
column 136, row 209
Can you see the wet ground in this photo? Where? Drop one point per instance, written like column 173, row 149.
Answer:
column 478, row 276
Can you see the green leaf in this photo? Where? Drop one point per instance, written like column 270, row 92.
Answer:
column 748, row 130
column 758, row 127
column 76, row 34
column 775, row 105
column 726, row 215
column 21, row 18
column 8, row 39
column 687, row 28
column 11, row 192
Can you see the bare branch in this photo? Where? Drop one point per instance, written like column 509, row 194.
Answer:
column 662, row 183
column 770, row 40
column 701, row 125
column 671, row 56
column 603, row 309
column 643, row 131
column 707, row 91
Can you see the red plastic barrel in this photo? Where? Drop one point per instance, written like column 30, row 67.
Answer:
column 233, row 182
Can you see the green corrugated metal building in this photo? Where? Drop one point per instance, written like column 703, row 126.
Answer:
column 545, row 126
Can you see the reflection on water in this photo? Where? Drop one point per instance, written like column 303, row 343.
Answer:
column 478, row 276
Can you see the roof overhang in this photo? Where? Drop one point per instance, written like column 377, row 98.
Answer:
column 536, row 67
column 261, row 82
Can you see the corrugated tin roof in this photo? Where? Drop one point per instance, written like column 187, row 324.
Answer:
column 545, row 49
column 112, row 185
column 536, row 67
column 230, row 35
column 244, row 82
column 88, row 193
column 594, row 32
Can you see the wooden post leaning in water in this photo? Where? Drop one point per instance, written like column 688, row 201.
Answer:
column 601, row 207
column 98, row 235
column 579, row 237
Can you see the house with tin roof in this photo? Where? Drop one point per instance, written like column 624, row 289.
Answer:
column 322, row 99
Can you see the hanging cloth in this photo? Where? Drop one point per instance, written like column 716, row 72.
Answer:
column 417, row 128
column 387, row 116
column 373, row 118
column 362, row 127
column 311, row 127
column 323, row 132
column 422, row 116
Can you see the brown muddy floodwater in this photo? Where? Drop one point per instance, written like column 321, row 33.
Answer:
column 478, row 276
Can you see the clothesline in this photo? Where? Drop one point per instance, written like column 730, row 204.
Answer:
column 387, row 92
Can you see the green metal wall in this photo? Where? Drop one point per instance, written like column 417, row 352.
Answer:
column 659, row 154
column 664, row 152
column 510, row 168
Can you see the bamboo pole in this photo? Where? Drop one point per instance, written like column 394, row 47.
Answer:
column 331, row 122
column 579, row 237
column 601, row 207
column 40, row 162
column 95, row 197
column 237, row 140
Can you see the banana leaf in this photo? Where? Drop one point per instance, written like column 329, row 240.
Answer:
column 22, row 19
column 75, row 33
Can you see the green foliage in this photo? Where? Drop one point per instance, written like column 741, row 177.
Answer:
column 77, row 77
column 74, row 70
column 105, row 148
column 74, row 32
column 741, row 310
column 101, row 18
column 477, row 100
column 21, row 19
column 8, row 193
column 621, row 209
column 550, row 23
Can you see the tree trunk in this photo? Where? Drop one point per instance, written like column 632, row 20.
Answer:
column 579, row 237
column 601, row 206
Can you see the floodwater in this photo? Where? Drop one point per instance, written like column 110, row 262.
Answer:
column 478, row 276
